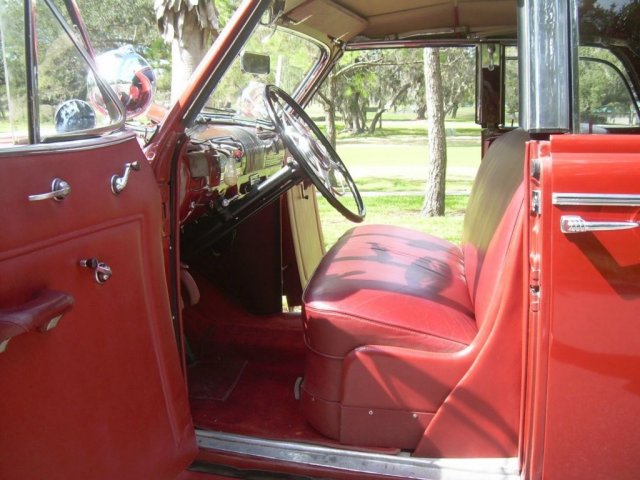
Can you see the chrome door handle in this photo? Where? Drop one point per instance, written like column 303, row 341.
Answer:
column 59, row 190
column 577, row 224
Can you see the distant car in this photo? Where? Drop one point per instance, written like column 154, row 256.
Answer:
column 142, row 277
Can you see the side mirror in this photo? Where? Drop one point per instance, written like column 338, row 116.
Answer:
column 73, row 116
column 130, row 76
column 255, row 63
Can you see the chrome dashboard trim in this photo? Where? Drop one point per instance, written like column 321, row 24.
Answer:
column 398, row 466
column 596, row 199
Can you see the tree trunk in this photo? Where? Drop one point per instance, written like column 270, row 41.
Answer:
column 328, row 102
column 454, row 110
column 383, row 107
column 377, row 118
column 190, row 27
column 330, row 111
column 355, row 114
column 421, row 111
column 184, row 60
column 362, row 108
column 435, row 187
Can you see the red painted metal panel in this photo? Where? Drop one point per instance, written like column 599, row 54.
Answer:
column 585, row 348
column 101, row 395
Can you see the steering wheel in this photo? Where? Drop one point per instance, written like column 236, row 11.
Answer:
column 313, row 153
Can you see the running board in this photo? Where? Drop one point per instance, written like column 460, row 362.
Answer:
column 398, row 466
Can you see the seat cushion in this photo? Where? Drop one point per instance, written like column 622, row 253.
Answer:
column 399, row 327
column 392, row 286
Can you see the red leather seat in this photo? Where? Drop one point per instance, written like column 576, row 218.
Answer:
column 415, row 343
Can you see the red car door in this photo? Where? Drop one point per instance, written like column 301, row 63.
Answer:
column 584, row 263
column 90, row 372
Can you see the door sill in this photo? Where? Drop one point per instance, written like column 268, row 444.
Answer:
column 395, row 466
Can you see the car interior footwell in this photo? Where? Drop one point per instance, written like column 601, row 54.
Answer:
column 243, row 374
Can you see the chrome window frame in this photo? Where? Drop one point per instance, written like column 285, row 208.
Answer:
column 548, row 63
column 31, row 64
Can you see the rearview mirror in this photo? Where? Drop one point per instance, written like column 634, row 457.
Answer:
column 255, row 63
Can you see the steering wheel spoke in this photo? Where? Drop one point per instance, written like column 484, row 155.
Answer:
column 312, row 151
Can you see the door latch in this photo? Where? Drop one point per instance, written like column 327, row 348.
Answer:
column 102, row 271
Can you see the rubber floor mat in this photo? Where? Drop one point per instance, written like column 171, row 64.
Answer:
column 215, row 379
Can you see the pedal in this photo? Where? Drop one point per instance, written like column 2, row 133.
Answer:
column 297, row 388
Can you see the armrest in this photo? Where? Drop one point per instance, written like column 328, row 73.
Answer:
column 42, row 313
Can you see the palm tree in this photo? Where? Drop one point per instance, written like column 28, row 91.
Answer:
column 190, row 26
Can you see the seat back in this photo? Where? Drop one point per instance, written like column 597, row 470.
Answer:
column 491, row 202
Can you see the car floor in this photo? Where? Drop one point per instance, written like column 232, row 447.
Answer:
column 244, row 376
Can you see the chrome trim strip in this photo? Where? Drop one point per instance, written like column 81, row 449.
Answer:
column 74, row 145
column 596, row 199
column 398, row 466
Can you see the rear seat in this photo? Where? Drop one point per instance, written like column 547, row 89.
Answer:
column 415, row 343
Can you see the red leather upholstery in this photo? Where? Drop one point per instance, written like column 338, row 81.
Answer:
column 392, row 283
column 411, row 339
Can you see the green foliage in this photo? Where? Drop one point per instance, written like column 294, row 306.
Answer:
column 604, row 97
column 114, row 23
column 391, row 172
column 225, row 10
column 381, row 81
column 62, row 73
column 511, row 87
column 13, row 62
column 457, row 68
column 615, row 22
column 401, row 210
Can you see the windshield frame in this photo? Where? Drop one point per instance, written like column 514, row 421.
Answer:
column 221, row 66
column 236, row 115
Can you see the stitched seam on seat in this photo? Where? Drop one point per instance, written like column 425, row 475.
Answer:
column 326, row 355
column 318, row 397
column 391, row 327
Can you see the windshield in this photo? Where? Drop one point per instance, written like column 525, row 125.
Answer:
column 614, row 22
column 270, row 56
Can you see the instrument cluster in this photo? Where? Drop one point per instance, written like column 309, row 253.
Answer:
column 222, row 163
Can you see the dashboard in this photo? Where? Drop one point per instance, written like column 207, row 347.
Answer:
column 222, row 164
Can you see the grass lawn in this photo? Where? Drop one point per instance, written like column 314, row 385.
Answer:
column 390, row 169
column 402, row 211
column 391, row 159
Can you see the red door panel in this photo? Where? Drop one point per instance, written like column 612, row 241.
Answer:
column 587, row 330
column 100, row 395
